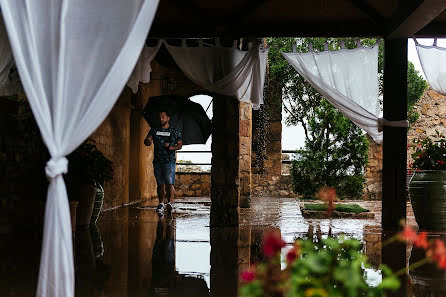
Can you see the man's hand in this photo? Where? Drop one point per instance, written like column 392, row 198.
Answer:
column 176, row 147
column 148, row 141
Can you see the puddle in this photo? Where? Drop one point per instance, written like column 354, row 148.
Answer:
column 134, row 253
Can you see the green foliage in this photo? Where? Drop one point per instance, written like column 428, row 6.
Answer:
column 429, row 155
column 89, row 164
column 351, row 208
column 333, row 267
column 335, row 151
column 415, row 88
column 185, row 161
column 335, row 156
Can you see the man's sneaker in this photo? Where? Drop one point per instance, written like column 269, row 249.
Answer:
column 160, row 208
column 169, row 207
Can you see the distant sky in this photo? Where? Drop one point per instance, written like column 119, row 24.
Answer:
column 292, row 137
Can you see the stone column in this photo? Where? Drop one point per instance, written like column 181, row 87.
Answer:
column 267, row 144
column 245, row 133
column 225, row 172
column 230, row 255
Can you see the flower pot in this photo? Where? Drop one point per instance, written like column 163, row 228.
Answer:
column 427, row 192
column 427, row 280
column 97, row 206
column 85, row 193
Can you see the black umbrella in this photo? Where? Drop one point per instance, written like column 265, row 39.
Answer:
column 185, row 115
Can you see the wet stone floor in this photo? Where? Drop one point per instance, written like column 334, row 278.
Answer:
column 132, row 252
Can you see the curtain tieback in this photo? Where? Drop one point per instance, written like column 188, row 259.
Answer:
column 383, row 122
column 56, row 167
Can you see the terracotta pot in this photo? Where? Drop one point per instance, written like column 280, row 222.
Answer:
column 427, row 192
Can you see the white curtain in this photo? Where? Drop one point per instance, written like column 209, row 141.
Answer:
column 74, row 58
column 224, row 70
column 142, row 70
column 9, row 80
column 348, row 79
column 433, row 62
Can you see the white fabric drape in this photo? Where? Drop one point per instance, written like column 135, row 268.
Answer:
column 9, row 81
column 433, row 62
column 142, row 70
column 224, row 70
column 74, row 58
column 348, row 79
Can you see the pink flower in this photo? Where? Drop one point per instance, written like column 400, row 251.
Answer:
column 292, row 254
column 409, row 234
column 247, row 276
column 272, row 244
column 421, row 241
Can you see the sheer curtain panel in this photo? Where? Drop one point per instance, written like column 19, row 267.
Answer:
column 433, row 62
column 74, row 58
column 224, row 70
column 348, row 79
column 142, row 70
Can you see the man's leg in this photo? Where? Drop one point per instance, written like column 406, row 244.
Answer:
column 170, row 181
column 170, row 193
column 161, row 189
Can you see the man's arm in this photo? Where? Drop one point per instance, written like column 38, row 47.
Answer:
column 148, row 140
column 176, row 147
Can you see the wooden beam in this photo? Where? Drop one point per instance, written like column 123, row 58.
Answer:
column 370, row 11
column 414, row 16
column 394, row 155
column 395, row 138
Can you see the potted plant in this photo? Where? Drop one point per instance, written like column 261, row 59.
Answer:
column 427, row 188
column 88, row 169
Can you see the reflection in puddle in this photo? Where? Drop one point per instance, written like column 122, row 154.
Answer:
column 134, row 253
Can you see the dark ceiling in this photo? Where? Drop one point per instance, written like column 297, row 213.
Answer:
column 300, row 18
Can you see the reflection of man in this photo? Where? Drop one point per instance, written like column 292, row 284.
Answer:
column 163, row 258
column 166, row 141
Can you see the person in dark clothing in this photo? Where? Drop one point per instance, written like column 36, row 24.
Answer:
column 166, row 140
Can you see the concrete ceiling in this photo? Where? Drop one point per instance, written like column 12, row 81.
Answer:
column 300, row 18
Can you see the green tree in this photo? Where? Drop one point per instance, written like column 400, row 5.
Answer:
column 335, row 151
column 415, row 88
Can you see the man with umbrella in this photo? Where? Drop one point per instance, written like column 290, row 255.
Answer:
column 166, row 140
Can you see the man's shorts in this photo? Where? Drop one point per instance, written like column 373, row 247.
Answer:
column 164, row 173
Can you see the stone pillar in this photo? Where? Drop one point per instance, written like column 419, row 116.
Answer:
column 267, row 144
column 245, row 153
column 225, row 172
column 230, row 255
column 373, row 171
column 135, row 147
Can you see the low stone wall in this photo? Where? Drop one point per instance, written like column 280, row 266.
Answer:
column 192, row 184
column 275, row 186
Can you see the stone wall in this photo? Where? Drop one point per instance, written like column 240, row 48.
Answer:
column 432, row 118
column 373, row 171
column 267, row 178
column 192, row 184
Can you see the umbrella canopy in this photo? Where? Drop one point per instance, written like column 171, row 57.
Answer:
column 185, row 115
